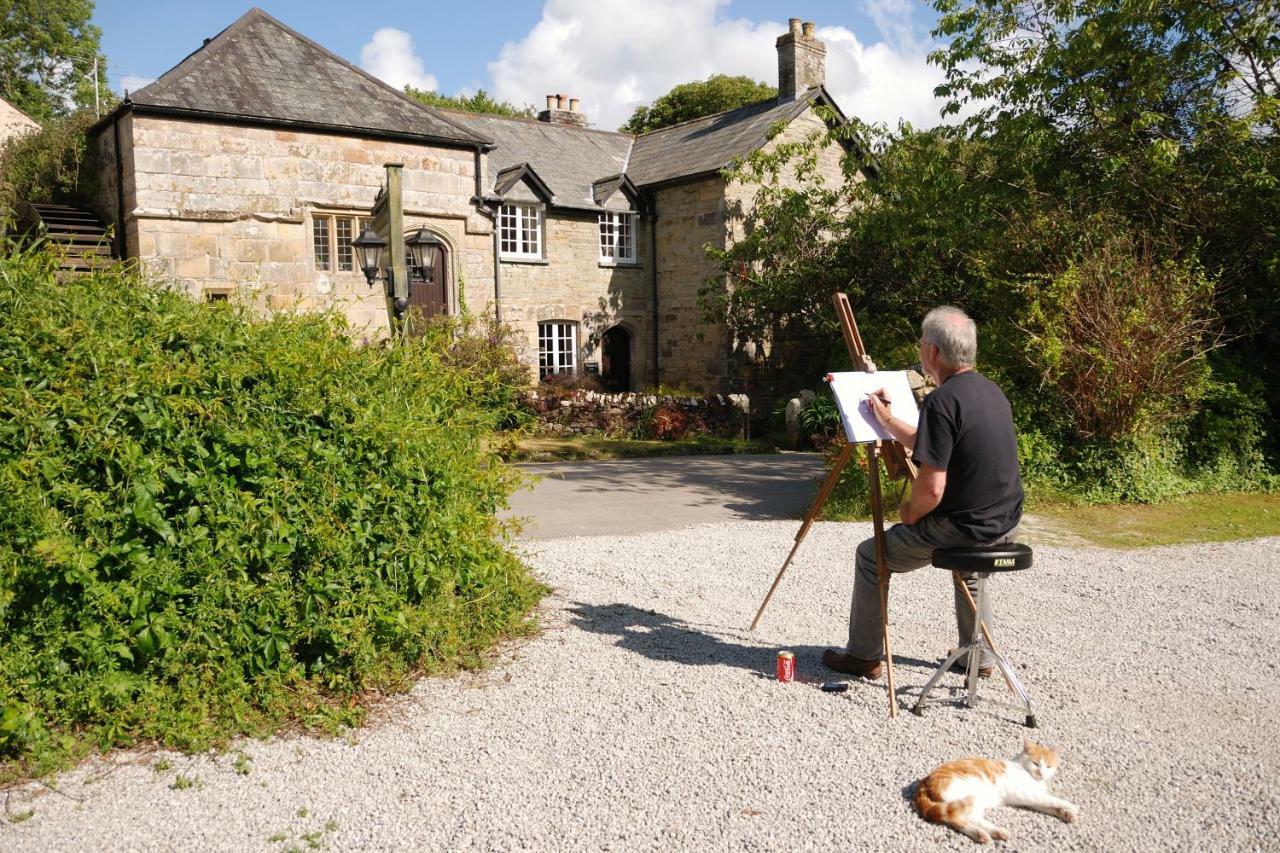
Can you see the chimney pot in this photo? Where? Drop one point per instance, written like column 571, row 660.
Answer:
column 573, row 105
column 802, row 61
column 559, row 102
column 551, row 102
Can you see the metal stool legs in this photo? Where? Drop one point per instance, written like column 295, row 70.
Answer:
column 977, row 648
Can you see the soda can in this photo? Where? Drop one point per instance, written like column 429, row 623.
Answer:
column 786, row 666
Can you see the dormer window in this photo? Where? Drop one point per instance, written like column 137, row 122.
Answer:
column 617, row 238
column 520, row 231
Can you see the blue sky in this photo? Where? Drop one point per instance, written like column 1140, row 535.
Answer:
column 613, row 54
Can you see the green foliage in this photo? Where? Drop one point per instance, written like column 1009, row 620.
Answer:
column 1120, row 338
column 1108, row 213
column 718, row 93
column 50, row 165
column 480, row 102
column 211, row 524
column 46, row 56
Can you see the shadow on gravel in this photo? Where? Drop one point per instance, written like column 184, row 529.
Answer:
column 665, row 638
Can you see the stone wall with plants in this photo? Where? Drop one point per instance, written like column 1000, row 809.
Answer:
column 632, row 415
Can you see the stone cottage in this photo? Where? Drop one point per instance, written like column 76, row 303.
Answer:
column 248, row 168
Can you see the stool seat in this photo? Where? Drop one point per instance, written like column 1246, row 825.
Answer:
column 1010, row 557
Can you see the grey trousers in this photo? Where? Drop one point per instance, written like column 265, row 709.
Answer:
column 908, row 547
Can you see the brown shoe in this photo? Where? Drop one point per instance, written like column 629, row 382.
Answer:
column 962, row 666
column 848, row 664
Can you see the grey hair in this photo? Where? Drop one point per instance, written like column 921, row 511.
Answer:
column 953, row 333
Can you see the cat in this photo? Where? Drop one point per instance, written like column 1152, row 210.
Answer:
column 959, row 793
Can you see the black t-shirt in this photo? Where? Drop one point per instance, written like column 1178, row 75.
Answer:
column 966, row 429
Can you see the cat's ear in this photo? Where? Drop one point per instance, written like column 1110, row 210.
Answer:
column 1027, row 744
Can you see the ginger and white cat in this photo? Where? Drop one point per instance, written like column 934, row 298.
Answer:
column 959, row 793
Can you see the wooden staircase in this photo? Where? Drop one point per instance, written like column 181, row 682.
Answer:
column 78, row 236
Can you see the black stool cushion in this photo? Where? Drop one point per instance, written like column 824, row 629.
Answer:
column 991, row 558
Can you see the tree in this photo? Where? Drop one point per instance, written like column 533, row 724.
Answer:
column 717, row 93
column 480, row 102
column 47, row 51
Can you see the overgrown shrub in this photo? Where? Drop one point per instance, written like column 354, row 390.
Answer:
column 212, row 525
column 49, row 165
column 1120, row 338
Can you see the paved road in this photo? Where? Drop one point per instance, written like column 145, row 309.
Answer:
column 668, row 493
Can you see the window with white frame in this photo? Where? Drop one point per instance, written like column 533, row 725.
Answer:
column 557, row 348
column 520, row 231
column 617, row 237
column 331, row 236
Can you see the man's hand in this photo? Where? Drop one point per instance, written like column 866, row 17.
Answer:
column 879, row 403
column 906, row 516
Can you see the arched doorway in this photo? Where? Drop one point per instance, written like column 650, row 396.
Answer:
column 429, row 296
column 615, row 360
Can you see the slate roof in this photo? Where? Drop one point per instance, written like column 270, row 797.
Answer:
column 567, row 159
column 708, row 144
column 258, row 69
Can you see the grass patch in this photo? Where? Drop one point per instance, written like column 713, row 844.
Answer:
column 1195, row 518
column 579, row 448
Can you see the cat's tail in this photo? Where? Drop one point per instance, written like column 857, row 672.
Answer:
column 933, row 808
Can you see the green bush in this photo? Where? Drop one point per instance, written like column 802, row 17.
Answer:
column 49, row 165
column 211, row 524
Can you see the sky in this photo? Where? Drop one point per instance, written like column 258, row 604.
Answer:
column 614, row 55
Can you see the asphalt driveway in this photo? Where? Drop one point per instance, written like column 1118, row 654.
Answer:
column 667, row 493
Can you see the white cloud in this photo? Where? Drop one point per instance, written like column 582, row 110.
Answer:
column 389, row 56
column 617, row 54
column 132, row 83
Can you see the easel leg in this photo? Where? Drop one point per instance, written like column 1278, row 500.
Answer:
column 882, row 568
column 828, row 485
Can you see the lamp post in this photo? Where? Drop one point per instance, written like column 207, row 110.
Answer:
column 424, row 249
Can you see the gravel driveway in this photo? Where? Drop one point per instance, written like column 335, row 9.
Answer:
column 646, row 717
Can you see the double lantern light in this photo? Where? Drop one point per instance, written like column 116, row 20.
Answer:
column 371, row 252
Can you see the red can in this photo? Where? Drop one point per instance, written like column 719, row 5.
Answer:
column 786, row 666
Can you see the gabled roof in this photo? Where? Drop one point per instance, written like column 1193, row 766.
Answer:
column 258, row 70
column 708, row 144
column 567, row 159
column 509, row 177
column 605, row 188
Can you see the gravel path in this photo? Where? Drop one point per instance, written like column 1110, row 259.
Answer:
column 646, row 717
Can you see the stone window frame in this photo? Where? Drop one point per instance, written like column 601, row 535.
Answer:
column 562, row 354
column 512, row 230
column 608, row 243
column 338, row 254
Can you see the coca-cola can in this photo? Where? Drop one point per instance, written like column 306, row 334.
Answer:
column 786, row 666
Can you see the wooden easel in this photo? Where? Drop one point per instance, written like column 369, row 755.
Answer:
column 898, row 464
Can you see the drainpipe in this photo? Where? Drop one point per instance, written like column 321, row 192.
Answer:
column 122, row 243
column 497, row 274
column 653, row 283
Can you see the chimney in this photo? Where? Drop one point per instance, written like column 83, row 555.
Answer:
column 802, row 60
column 563, row 110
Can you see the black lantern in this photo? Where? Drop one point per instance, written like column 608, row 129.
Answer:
column 369, row 251
column 424, row 247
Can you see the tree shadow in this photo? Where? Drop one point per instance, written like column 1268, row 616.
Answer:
column 758, row 488
column 660, row 637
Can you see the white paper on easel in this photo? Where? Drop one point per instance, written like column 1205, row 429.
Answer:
column 851, row 391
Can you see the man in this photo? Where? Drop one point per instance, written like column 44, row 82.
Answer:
column 968, row 491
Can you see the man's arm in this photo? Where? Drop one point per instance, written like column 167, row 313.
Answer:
column 897, row 427
column 926, row 492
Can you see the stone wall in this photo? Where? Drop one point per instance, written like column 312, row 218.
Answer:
column 571, row 284
column 690, row 352
column 223, row 208
column 14, row 122
column 639, row 415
